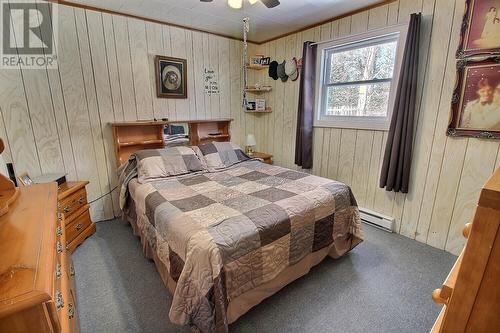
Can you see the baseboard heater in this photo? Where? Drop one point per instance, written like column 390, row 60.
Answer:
column 376, row 219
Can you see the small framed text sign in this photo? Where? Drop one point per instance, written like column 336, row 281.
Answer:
column 210, row 81
column 260, row 104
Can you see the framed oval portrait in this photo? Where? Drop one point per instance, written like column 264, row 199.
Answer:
column 171, row 77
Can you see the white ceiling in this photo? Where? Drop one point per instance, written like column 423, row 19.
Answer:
column 218, row 17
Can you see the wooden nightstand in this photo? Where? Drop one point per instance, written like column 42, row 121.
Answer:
column 268, row 158
column 72, row 204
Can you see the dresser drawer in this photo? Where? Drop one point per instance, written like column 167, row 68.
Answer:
column 64, row 291
column 70, row 272
column 66, row 306
column 73, row 202
column 60, row 263
column 78, row 224
column 62, row 255
column 58, row 275
column 74, row 325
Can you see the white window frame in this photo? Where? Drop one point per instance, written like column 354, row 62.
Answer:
column 373, row 123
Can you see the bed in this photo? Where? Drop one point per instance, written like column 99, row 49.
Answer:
column 224, row 238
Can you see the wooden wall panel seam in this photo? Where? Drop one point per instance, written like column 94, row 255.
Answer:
column 103, row 206
column 437, row 152
column 455, row 198
column 7, row 152
column 106, row 134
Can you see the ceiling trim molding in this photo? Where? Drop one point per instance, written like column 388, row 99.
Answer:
column 109, row 11
column 314, row 25
column 331, row 19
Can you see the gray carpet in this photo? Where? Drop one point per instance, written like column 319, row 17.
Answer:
column 383, row 285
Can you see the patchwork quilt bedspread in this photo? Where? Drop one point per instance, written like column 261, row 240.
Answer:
column 223, row 233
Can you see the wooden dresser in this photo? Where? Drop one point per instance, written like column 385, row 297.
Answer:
column 471, row 292
column 37, row 291
column 73, row 205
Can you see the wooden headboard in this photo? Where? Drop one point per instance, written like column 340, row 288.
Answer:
column 131, row 136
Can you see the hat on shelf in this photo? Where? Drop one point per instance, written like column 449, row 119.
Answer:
column 273, row 66
column 281, row 71
column 291, row 69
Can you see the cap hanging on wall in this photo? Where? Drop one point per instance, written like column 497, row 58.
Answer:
column 291, row 69
column 281, row 71
column 273, row 66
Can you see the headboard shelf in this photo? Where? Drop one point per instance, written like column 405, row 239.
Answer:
column 165, row 122
column 137, row 143
column 212, row 137
column 131, row 136
column 139, row 123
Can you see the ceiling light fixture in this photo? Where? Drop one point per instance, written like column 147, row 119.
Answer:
column 236, row 4
column 252, row 2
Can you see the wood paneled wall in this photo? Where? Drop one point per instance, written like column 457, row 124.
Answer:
column 57, row 120
column 447, row 173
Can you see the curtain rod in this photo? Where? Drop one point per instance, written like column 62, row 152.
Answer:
column 361, row 33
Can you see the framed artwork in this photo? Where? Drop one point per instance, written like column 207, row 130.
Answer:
column 25, row 179
column 251, row 106
column 475, row 106
column 480, row 33
column 171, row 76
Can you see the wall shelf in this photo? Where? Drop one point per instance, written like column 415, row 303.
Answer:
column 214, row 137
column 140, row 142
column 267, row 110
column 256, row 67
column 258, row 90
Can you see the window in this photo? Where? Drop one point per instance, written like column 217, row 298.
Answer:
column 357, row 78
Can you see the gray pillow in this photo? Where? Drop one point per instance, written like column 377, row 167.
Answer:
column 220, row 155
column 167, row 162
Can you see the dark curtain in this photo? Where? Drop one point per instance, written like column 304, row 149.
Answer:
column 304, row 139
column 395, row 173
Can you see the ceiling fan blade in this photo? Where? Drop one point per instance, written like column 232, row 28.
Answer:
column 206, row 0
column 270, row 3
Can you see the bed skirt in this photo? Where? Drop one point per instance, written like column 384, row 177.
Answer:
column 244, row 302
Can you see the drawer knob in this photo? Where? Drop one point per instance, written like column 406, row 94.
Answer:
column 71, row 311
column 59, row 300
column 436, row 297
column 58, row 270
column 467, row 229
column 81, row 200
column 66, row 209
column 59, row 247
column 59, row 231
column 78, row 226
column 71, row 270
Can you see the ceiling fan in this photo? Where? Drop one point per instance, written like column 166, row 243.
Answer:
column 237, row 4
